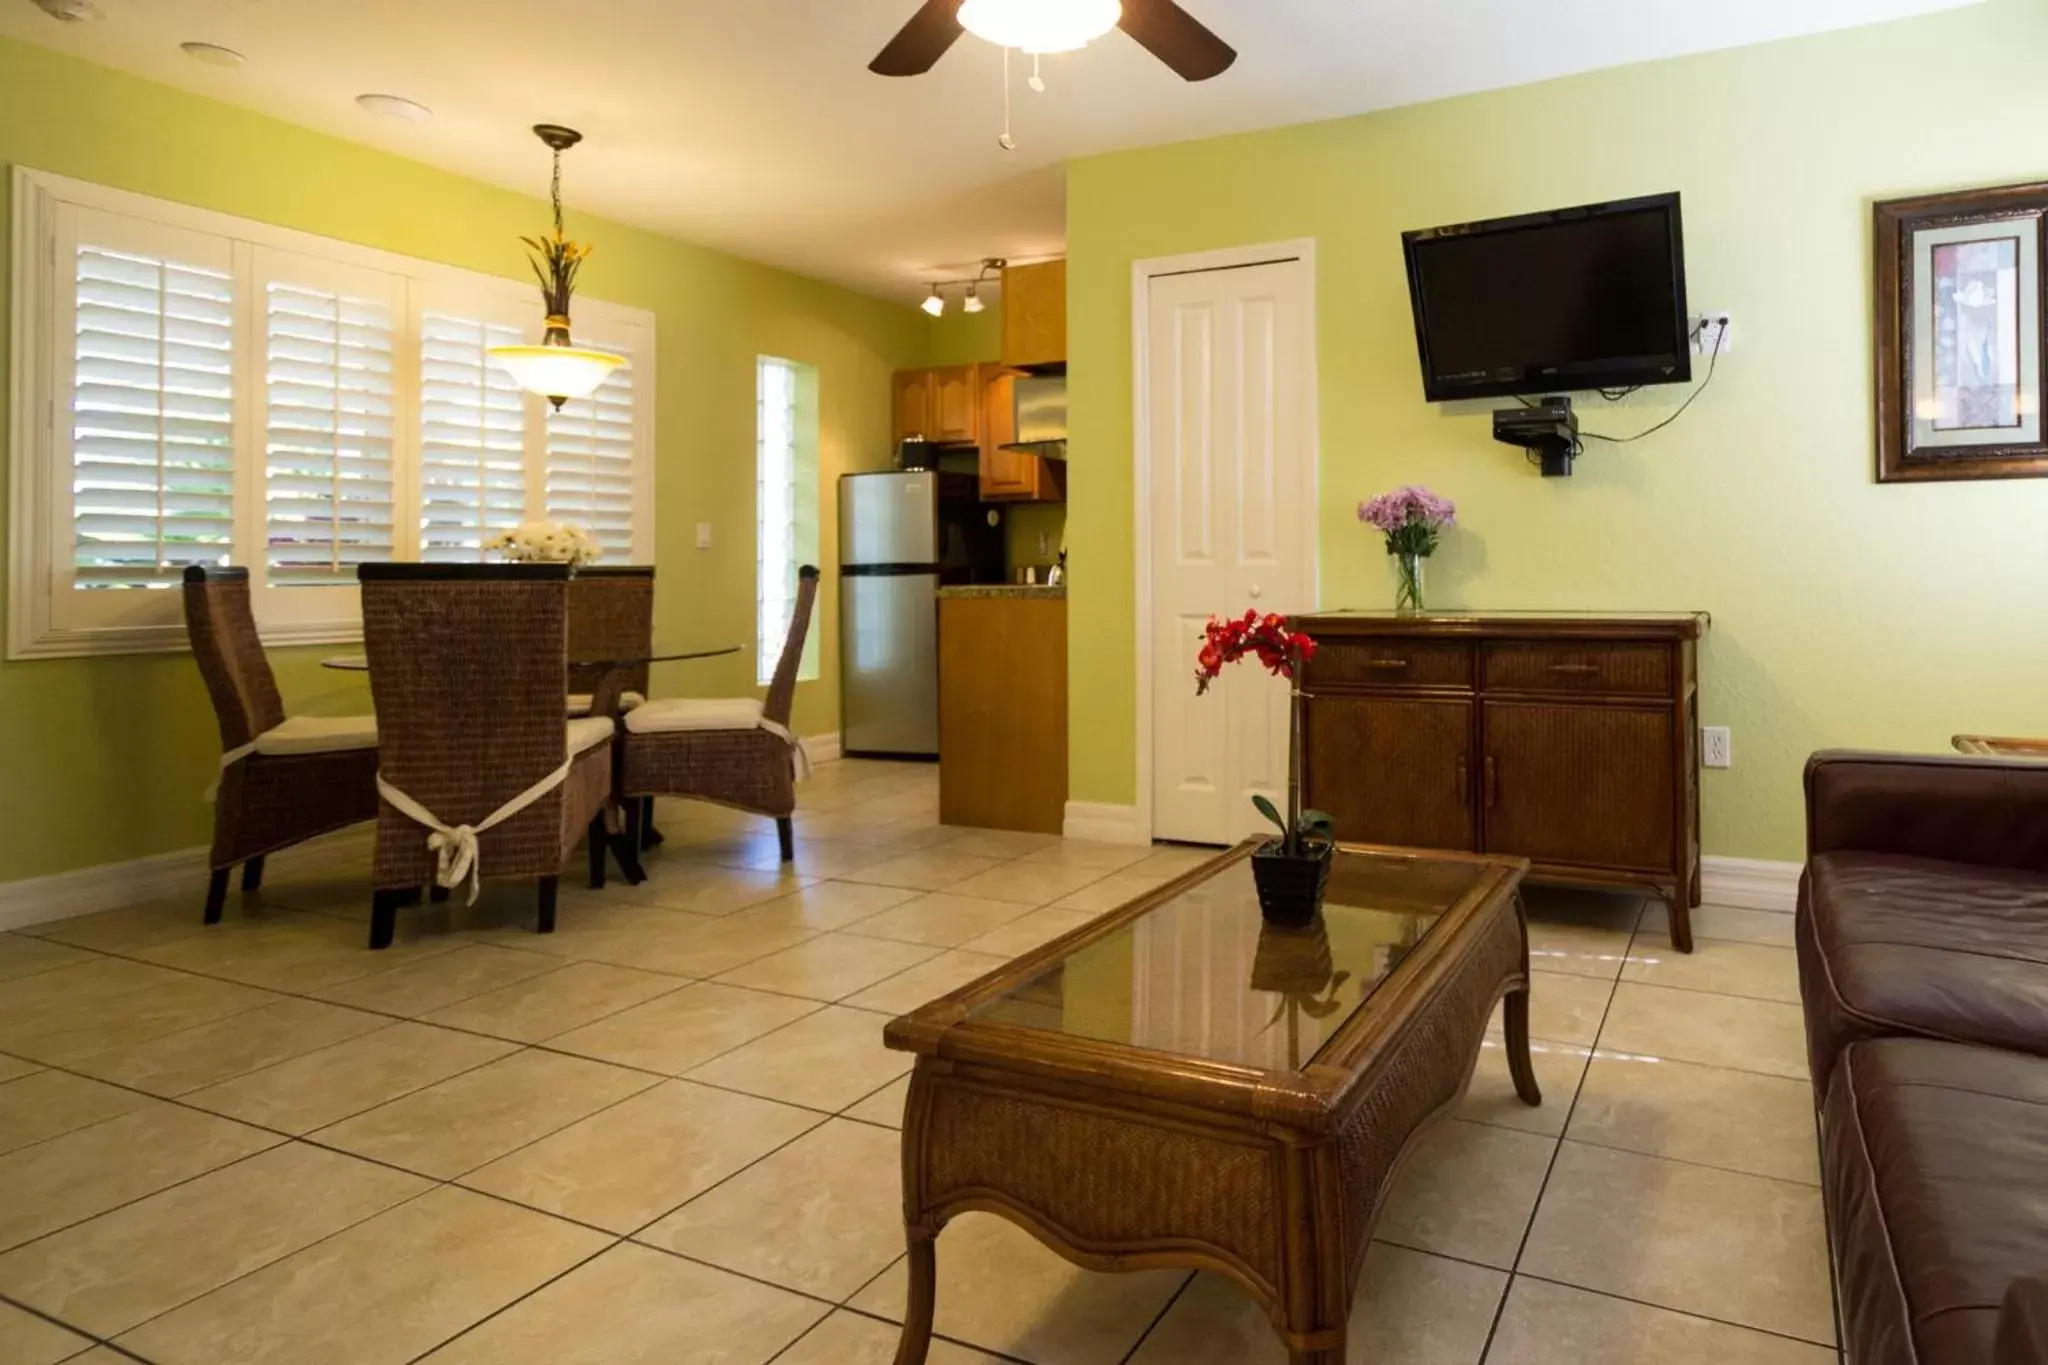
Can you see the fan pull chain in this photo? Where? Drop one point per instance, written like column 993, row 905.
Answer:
column 1006, row 142
column 1037, row 81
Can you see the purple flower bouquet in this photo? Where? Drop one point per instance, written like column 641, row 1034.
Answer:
column 1412, row 519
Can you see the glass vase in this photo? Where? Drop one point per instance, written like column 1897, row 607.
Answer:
column 1408, row 582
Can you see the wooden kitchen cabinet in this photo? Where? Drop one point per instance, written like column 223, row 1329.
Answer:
column 956, row 402
column 1012, row 475
column 1003, row 708
column 1566, row 740
column 1035, row 314
column 911, row 401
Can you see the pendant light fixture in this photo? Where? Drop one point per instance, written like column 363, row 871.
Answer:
column 557, row 369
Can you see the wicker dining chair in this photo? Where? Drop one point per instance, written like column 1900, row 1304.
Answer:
column 283, row 779
column 611, row 616
column 736, row 751
column 482, row 775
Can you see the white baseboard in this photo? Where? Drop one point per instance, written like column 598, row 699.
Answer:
column 1103, row 823
column 62, row 895
column 824, row 748
column 1750, row 883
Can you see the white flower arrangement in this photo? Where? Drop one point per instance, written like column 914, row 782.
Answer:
column 545, row 542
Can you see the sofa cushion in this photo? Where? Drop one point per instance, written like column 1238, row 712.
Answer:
column 1893, row 945
column 1936, row 1160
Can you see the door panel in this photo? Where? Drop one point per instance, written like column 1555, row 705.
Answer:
column 889, row 663
column 888, row 519
column 1227, row 382
column 956, row 404
column 912, row 396
column 1393, row 770
column 1578, row 784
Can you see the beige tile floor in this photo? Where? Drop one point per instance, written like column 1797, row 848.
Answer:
column 665, row 1133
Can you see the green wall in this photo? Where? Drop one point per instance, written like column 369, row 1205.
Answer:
column 103, row 760
column 1844, row 613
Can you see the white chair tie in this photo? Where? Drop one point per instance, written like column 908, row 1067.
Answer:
column 795, row 741
column 456, row 856
column 227, row 761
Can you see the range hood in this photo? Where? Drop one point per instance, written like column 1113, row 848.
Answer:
column 1041, row 416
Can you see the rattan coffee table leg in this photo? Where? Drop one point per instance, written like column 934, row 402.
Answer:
column 917, row 1314
column 1516, row 1017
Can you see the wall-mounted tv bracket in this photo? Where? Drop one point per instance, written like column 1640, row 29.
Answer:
column 1549, row 429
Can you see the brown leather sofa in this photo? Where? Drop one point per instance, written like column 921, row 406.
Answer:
column 1923, row 965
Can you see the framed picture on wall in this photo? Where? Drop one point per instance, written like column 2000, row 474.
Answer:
column 1960, row 379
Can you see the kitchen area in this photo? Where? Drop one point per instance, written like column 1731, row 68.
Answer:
column 952, row 573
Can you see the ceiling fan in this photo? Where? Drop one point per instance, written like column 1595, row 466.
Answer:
column 1161, row 27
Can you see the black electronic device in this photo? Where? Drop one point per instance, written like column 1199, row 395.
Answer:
column 1550, row 429
column 1581, row 298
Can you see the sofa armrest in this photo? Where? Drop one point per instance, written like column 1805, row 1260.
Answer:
column 1988, row 811
column 2023, row 1323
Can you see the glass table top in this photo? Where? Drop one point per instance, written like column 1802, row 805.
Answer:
column 1201, row 975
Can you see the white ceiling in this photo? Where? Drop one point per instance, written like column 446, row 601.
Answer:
column 754, row 125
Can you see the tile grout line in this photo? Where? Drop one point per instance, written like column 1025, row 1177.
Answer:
column 1557, row 1147
column 1680, row 1312
column 1180, row 1291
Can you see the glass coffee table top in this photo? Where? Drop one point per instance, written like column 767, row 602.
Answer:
column 1201, row 975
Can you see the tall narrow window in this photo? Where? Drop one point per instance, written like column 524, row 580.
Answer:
column 590, row 462
column 152, row 420
column 327, row 434
column 786, row 505
column 472, row 438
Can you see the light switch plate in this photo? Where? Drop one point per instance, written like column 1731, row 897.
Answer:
column 703, row 535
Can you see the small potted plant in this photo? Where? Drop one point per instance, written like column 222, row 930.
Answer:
column 1412, row 518
column 1290, row 871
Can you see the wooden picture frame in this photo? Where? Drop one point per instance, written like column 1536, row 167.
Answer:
column 1962, row 363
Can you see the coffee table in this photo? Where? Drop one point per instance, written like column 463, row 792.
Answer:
column 1177, row 1085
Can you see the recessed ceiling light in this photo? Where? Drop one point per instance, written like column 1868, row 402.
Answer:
column 394, row 106
column 213, row 54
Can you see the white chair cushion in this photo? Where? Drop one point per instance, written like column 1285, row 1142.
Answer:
column 318, row 735
column 588, row 733
column 671, row 714
column 579, row 702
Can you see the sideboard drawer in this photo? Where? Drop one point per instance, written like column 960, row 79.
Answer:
column 1391, row 663
column 1553, row 666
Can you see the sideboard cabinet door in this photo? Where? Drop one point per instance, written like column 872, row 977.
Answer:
column 1393, row 770
column 1587, row 785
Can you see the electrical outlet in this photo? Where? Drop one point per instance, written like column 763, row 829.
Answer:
column 1045, row 545
column 1716, row 749
column 703, row 535
column 1708, row 328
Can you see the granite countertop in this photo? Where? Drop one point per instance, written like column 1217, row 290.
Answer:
column 1037, row 591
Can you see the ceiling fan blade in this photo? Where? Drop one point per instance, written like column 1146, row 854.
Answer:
column 921, row 42
column 1177, row 38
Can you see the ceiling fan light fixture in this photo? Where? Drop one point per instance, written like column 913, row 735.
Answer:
column 934, row 303
column 1040, row 25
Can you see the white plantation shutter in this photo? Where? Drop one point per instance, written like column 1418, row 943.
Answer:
column 152, row 419
column 590, row 462
column 329, row 412
column 192, row 388
column 472, row 438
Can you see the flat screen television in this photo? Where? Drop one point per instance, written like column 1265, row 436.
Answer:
column 1582, row 298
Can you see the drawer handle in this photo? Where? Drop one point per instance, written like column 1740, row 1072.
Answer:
column 1386, row 663
column 1577, row 669
column 1464, row 781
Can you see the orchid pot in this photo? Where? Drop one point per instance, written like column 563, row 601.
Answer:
column 1291, row 871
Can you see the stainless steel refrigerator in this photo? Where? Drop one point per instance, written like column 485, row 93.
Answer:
column 902, row 534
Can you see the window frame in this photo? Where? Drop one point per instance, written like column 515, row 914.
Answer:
column 805, row 507
column 43, row 618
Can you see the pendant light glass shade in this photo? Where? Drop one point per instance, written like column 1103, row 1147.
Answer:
column 557, row 373
column 1040, row 25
